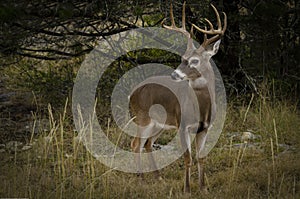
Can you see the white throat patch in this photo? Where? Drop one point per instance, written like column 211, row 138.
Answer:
column 198, row 83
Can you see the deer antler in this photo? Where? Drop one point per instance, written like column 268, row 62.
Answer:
column 173, row 26
column 218, row 33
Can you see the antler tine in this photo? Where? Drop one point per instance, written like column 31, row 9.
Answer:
column 192, row 31
column 172, row 16
column 209, row 23
column 183, row 16
column 212, row 31
column 218, row 17
column 205, row 35
column 173, row 26
column 218, row 33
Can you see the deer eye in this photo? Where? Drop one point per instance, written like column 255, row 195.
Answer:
column 194, row 62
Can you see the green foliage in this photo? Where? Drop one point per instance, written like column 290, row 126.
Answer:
column 9, row 12
column 50, row 81
column 152, row 20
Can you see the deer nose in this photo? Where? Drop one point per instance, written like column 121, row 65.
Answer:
column 175, row 76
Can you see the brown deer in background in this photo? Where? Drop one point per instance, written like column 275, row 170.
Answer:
column 197, row 71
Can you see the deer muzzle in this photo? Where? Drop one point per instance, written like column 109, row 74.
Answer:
column 178, row 75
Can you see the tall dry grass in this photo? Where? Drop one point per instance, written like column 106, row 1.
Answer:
column 59, row 166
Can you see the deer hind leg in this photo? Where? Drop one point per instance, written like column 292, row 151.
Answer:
column 200, row 142
column 138, row 143
column 149, row 149
column 186, row 145
column 137, row 147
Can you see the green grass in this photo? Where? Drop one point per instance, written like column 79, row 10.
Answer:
column 59, row 166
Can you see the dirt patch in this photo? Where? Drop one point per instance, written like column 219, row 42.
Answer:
column 16, row 114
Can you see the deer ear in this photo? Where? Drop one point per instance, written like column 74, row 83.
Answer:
column 213, row 49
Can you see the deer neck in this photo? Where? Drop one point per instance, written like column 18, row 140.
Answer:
column 206, row 80
column 198, row 84
column 204, row 86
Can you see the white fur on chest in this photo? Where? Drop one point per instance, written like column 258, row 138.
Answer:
column 198, row 83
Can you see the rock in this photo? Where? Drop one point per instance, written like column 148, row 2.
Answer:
column 39, row 126
column 6, row 96
column 244, row 137
column 26, row 147
column 247, row 136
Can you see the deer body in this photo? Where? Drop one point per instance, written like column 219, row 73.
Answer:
column 195, row 77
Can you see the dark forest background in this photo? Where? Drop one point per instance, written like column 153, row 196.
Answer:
column 261, row 44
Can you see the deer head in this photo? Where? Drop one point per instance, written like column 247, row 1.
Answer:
column 195, row 61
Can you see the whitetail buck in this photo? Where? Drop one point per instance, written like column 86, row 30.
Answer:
column 195, row 69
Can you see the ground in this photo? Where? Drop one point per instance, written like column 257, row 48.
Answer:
column 41, row 157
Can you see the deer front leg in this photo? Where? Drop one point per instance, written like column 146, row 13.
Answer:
column 188, row 164
column 186, row 145
column 200, row 142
